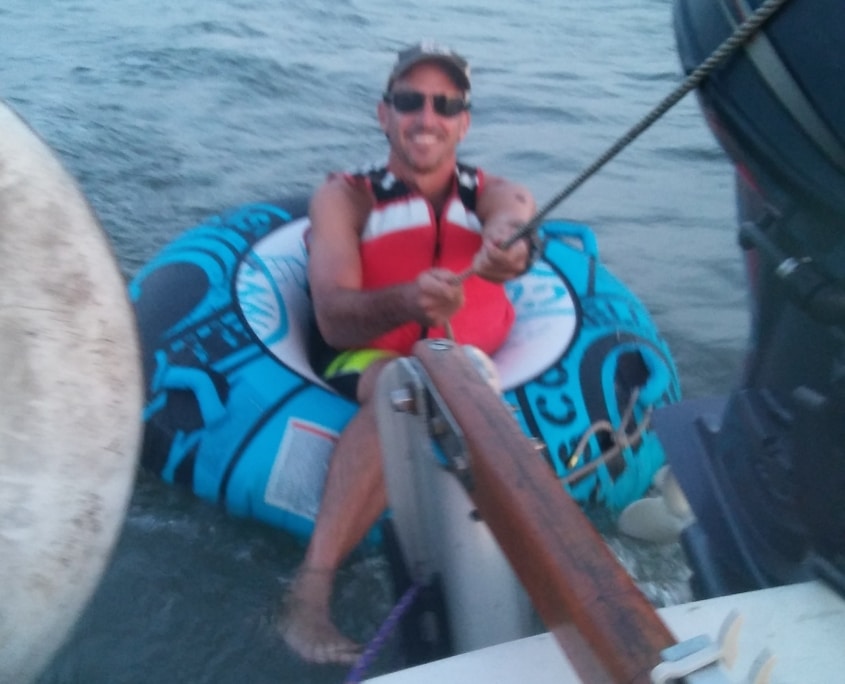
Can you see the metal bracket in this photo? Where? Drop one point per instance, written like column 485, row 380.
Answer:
column 700, row 660
column 422, row 400
column 447, row 435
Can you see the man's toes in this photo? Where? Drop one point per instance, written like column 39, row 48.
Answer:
column 337, row 653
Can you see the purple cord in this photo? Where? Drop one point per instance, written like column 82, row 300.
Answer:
column 365, row 660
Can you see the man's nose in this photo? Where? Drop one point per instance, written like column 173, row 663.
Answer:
column 427, row 113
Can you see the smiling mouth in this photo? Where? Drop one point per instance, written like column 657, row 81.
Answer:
column 424, row 138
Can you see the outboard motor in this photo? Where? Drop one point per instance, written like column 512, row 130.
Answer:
column 764, row 471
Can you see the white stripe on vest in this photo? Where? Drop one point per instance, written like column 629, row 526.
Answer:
column 458, row 215
column 413, row 213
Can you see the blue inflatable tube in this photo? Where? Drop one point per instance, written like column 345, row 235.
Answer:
column 235, row 413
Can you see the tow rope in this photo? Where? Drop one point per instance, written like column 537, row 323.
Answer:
column 368, row 656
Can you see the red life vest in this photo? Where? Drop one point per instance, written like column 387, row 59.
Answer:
column 402, row 238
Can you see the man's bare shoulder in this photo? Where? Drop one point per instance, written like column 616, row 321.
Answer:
column 498, row 192
column 340, row 199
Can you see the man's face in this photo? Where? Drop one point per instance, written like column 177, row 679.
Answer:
column 424, row 141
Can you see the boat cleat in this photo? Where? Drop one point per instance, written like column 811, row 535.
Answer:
column 700, row 660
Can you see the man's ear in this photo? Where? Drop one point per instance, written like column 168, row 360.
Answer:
column 466, row 119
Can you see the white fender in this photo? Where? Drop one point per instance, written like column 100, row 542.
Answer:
column 659, row 518
column 70, row 401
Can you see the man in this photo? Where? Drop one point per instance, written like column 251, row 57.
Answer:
column 385, row 248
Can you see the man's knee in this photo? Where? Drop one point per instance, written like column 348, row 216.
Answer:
column 367, row 383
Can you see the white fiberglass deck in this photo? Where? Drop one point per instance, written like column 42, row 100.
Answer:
column 803, row 625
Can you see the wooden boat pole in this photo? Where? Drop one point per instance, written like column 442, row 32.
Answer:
column 608, row 629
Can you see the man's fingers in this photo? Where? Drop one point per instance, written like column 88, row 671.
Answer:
column 497, row 264
column 441, row 294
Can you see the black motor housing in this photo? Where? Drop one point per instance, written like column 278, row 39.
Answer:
column 765, row 470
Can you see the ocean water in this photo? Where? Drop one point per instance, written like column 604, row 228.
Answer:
column 169, row 112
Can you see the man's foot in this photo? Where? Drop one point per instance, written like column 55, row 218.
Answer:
column 312, row 636
column 307, row 629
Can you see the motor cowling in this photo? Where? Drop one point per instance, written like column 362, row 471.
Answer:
column 766, row 483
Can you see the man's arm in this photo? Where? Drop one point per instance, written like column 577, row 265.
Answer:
column 347, row 315
column 503, row 207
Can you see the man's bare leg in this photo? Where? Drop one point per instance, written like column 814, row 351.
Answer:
column 353, row 499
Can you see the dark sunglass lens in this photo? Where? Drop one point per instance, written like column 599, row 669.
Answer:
column 407, row 101
column 448, row 106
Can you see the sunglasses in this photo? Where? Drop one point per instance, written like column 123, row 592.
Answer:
column 407, row 101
